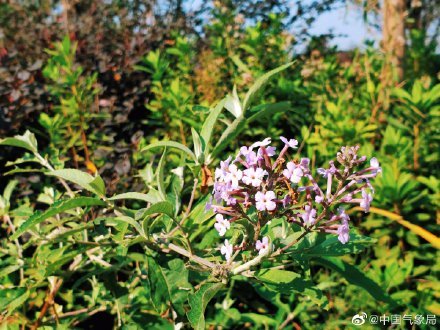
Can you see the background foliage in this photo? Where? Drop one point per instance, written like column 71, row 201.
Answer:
column 100, row 82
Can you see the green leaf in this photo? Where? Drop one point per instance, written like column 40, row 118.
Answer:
column 171, row 144
column 164, row 207
column 10, row 299
column 268, row 109
column 176, row 186
column 160, row 176
column 199, row 214
column 258, row 319
column 356, row 277
column 159, row 289
column 329, row 245
column 56, row 208
column 179, row 286
column 149, row 198
column 260, row 82
column 8, row 270
column 199, row 146
column 198, row 302
column 229, row 134
column 232, row 104
column 26, row 141
column 284, row 281
column 7, row 193
column 82, row 179
column 130, row 221
column 417, row 92
column 208, row 125
column 98, row 185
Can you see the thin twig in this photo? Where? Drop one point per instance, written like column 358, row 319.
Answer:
column 246, row 266
column 191, row 256
column 47, row 303
column 279, row 251
column 289, row 318
column 46, row 164
column 89, row 311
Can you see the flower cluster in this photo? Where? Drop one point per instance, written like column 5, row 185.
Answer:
column 283, row 187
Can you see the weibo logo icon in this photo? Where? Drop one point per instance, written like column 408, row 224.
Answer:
column 359, row 319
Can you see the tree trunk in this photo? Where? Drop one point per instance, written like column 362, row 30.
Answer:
column 393, row 37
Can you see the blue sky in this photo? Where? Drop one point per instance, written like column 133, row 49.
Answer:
column 347, row 22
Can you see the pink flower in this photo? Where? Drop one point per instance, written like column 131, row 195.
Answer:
column 262, row 246
column 292, row 143
column 293, row 172
column 222, row 225
column 254, row 177
column 366, row 201
column 264, row 201
column 226, row 250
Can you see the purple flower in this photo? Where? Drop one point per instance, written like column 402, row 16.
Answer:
column 343, row 232
column 208, row 205
column 222, row 224
column 319, row 199
column 234, row 176
column 245, row 150
column 270, row 151
column 366, row 201
column 304, row 162
column 309, row 216
column 253, row 176
column 325, row 172
column 322, row 171
column 332, row 169
column 262, row 246
column 347, row 198
column 264, row 201
column 374, row 163
column 249, row 155
column 263, row 143
column 341, row 213
column 292, row 143
column 293, row 172
column 343, row 228
column 226, row 250
column 220, row 173
column 287, row 200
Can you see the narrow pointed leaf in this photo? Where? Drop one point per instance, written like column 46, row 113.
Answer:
column 260, row 82
column 354, row 276
column 208, row 125
column 171, row 144
column 56, row 208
